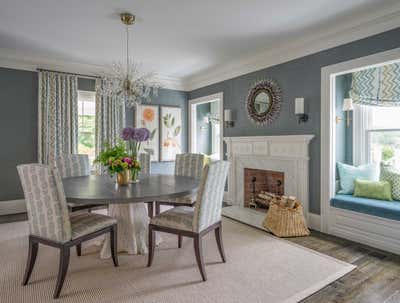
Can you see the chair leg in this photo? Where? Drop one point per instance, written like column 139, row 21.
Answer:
column 114, row 244
column 150, row 209
column 152, row 243
column 32, row 254
column 79, row 249
column 62, row 270
column 179, row 241
column 198, row 249
column 158, row 208
column 218, row 237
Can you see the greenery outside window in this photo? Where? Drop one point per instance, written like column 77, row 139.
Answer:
column 383, row 136
column 86, row 123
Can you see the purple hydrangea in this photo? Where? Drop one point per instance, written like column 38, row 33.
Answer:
column 135, row 134
column 127, row 133
column 141, row 134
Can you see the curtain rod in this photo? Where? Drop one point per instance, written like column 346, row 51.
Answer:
column 58, row 72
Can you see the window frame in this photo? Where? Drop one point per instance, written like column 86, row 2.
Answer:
column 85, row 96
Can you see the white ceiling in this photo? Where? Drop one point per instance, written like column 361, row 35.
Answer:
column 179, row 39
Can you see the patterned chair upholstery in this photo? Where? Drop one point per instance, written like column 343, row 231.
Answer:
column 187, row 165
column 49, row 220
column 74, row 165
column 198, row 221
column 208, row 209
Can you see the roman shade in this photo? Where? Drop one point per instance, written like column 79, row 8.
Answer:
column 378, row 86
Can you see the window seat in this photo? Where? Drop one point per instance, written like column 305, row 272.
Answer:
column 379, row 208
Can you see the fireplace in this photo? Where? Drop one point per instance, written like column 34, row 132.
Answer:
column 269, row 159
column 258, row 181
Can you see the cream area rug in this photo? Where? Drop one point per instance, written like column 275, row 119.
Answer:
column 259, row 268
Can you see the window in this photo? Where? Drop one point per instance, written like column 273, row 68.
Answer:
column 383, row 135
column 86, row 123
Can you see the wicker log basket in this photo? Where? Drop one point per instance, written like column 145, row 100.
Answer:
column 284, row 221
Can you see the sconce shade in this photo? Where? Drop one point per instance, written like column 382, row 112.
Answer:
column 348, row 104
column 227, row 115
column 299, row 106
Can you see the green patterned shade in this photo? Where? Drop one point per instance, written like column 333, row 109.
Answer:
column 379, row 86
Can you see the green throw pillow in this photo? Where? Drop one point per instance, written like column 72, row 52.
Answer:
column 380, row 190
column 392, row 176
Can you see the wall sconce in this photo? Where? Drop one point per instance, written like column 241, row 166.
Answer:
column 299, row 110
column 347, row 107
column 228, row 121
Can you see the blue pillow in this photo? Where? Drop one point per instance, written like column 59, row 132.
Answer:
column 348, row 174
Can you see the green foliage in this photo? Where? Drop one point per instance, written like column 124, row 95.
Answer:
column 169, row 122
column 111, row 157
column 387, row 153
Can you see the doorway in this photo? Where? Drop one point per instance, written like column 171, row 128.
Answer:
column 206, row 130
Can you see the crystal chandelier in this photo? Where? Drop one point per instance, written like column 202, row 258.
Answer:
column 125, row 82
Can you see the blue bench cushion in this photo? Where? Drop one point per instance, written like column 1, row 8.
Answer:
column 379, row 208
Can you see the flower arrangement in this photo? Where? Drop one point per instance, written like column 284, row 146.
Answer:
column 134, row 138
column 116, row 159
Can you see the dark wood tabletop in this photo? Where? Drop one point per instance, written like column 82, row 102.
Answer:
column 104, row 190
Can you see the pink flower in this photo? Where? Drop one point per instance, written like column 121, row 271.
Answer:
column 127, row 160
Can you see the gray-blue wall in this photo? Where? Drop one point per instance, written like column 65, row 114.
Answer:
column 167, row 97
column 18, row 127
column 297, row 78
column 344, row 133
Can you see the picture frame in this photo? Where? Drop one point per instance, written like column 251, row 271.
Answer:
column 170, row 132
column 148, row 116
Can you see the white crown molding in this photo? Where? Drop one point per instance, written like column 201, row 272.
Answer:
column 24, row 61
column 386, row 19
column 369, row 24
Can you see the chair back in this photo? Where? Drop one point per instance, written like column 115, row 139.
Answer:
column 210, row 195
column 45, row 202
column 189, row 165
column 73, row 165
column 144, row 159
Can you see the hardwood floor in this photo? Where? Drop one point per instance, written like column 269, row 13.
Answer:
column 375, row 280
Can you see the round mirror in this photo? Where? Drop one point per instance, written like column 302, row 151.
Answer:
column 262, row 102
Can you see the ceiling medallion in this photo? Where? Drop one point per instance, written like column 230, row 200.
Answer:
column 124, row 82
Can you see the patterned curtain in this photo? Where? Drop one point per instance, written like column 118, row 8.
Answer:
column 110, row 119
column 58, row 115
column 379, row 86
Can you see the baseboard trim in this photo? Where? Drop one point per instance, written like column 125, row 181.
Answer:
column 12, row 207
column 314, row 221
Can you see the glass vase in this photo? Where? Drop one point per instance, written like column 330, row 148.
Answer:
column 134, row 176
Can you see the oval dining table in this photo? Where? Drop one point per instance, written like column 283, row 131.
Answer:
column 127, row 203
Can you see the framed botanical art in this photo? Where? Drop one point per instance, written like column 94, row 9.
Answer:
column 148, row 116
column 171, row 132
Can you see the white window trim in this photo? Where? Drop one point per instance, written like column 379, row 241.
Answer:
column 361, row 123
column 192, row 120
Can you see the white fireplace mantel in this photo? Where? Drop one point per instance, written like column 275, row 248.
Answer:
column 287, row 154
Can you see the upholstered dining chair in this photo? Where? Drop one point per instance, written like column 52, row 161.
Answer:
column 187, row 165
column 50, row 222
column 74, row 165
column 198, row 221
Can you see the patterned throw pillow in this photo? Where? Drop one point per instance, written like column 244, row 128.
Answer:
column 392, row 176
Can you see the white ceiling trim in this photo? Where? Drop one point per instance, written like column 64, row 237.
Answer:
column 371, row 24
column 23, row 61
column 303, row 46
